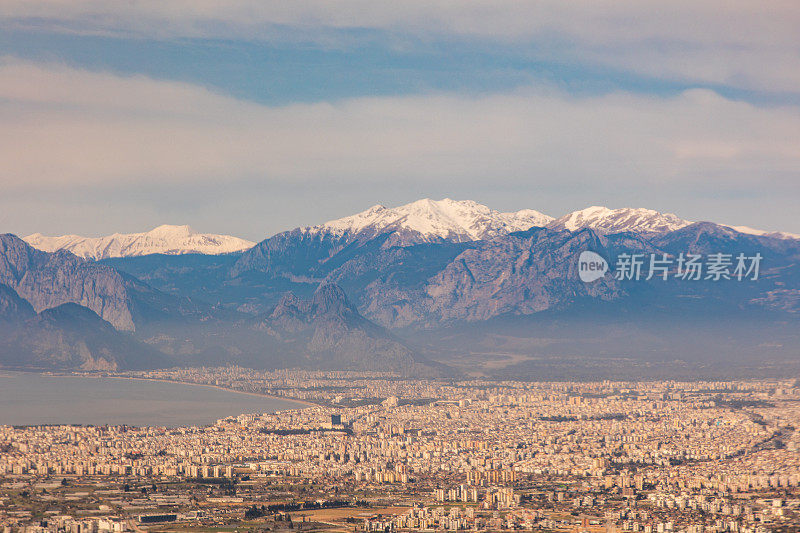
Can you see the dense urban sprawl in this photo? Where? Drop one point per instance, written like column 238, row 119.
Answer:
column 377, row 452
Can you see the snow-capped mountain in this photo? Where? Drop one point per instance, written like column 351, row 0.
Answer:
column 423, row 221
column 762, row 233
column 640, row 220
column 605, row 220
column 429, row 220
column 166, row 239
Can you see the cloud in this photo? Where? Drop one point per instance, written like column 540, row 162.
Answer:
column 64, row 127
column 709, row 21
column 738, row 43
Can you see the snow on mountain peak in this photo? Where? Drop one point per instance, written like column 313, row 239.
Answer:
column 165, row 239
column 168, row 230
column 424, row 220
column 429, row 220
column 607, row 220
column 763, row 233
column 640, row 220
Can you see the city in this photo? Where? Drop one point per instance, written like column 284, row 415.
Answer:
column 363, row 266
column 376, row 452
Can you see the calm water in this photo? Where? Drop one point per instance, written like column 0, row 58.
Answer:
column 29, row 399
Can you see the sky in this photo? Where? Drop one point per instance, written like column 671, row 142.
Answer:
column 249, row 117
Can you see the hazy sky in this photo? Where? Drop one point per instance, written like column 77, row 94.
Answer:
column 252, row 116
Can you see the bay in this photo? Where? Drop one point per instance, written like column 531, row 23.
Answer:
column 34, row 399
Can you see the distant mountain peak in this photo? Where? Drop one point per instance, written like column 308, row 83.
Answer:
column 164, row 239
column 605, row 220
column 328, row 301
column 171, row 230
column 330, row 297
column 330, row 333
column 428, row 220
column 762, row 233
column 641, row 220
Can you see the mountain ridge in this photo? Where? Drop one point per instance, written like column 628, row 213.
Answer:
column 49, row 279
column 330, row 332
column 428, row 220
column 388, row 290
column 423, row 221
column 607, row 220
column 164, row 239
column 67, row 336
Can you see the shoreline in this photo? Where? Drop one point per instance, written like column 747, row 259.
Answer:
column 305, row 403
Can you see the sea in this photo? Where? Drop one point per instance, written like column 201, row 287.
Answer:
column 36, row 399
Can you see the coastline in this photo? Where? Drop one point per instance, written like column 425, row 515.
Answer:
column 304, row 403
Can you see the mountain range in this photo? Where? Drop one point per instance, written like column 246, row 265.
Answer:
column 429, row 287
column 165, row 239
column 422, row 221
